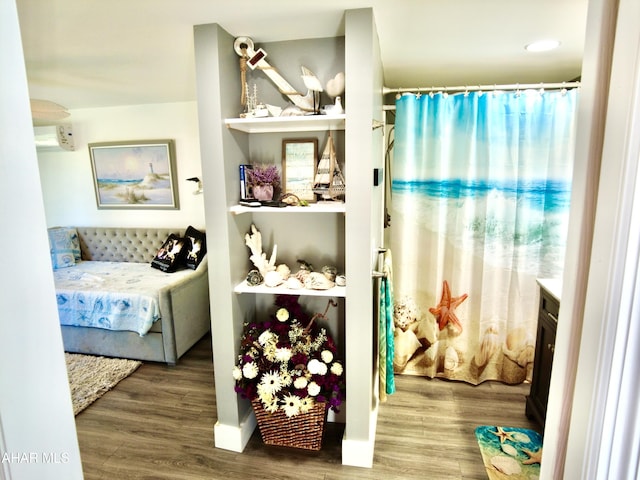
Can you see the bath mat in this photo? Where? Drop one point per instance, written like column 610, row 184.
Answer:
column 510, row 453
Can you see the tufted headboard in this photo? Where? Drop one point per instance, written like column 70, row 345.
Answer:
column 110, row 244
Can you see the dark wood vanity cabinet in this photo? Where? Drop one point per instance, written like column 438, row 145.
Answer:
column 536, row 405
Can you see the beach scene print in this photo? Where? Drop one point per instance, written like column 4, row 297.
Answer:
column 135, row 175
column 479, row 212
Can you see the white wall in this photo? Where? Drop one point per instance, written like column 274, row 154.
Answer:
column 37, row 428
column 67, row 182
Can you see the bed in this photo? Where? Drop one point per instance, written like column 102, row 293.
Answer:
column 111, row 302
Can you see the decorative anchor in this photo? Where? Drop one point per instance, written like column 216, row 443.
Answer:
column 252, row 58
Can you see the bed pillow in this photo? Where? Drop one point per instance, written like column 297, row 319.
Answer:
column 170, row 257
column 196, row 245
column 64, row 246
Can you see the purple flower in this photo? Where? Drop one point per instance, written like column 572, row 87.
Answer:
column 264, row 175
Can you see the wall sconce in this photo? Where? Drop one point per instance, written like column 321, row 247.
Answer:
column 199, row 182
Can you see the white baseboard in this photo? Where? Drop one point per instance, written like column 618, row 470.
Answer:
column 234, row 438
column 357, row 453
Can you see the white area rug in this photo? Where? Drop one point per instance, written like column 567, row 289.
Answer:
column 90, row 377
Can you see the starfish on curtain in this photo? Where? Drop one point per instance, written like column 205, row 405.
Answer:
column 445, row 310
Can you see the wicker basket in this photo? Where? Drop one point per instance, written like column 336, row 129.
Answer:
column 304, row 430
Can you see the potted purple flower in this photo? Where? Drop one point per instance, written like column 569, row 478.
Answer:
column 263, row 180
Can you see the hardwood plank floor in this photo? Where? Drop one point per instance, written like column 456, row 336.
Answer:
column 158, row 424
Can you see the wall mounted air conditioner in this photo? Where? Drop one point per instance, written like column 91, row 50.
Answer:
column 54, row 137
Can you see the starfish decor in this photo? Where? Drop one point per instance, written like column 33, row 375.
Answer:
column 534, row 457
column 502, row 435
column 445, row 310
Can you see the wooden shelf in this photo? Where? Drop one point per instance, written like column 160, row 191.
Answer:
column 243, row 287
column 309, row 123
column 321, row 207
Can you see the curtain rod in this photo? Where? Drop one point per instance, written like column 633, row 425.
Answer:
column 477, row 88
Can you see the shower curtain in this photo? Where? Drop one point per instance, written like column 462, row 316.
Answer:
column 479, row 211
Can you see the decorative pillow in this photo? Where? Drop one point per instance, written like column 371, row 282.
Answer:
column 196, row 244
column 171, row 254
column 64, row 246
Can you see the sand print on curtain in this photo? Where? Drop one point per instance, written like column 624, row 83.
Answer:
column 480, row 205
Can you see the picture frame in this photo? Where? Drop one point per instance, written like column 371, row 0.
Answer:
column 137, row 174
column 299, row 164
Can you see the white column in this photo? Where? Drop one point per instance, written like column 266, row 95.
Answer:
column 37, row 426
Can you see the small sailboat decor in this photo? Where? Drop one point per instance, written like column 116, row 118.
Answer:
column 329, row 182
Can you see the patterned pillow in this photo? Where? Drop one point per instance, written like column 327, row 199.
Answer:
column 64, row 246
column 196, row 244
column 171, row 254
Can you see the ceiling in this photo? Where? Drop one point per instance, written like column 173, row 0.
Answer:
column 85, row 54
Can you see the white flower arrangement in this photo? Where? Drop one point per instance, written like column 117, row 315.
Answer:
column 289, row 366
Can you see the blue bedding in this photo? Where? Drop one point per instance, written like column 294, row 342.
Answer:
column 111, row 295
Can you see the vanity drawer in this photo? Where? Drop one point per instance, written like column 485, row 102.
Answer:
column 549, row 306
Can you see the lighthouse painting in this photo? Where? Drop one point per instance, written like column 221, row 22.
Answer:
column 134, row 175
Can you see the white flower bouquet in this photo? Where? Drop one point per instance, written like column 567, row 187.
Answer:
column 289, row 362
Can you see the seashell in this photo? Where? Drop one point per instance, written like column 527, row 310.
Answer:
column 517, row 339
column 302, row 275
column 489, row 346
column 293, row 283
column 273, row 279
column 341, row 280
column 330, row 272
column 431, row 353
column 427, row 332
column 406, row 344
column 506, row 465
column 518, row 346
column 526, row 356
column 509, row 449
column 254, row 278
column 304, row 265
column 405, row 313
column 521, row 437
column 283, row 270
column 450, row 358
column 317, row 281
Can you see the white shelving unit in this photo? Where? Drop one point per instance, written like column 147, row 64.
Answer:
column 307, row 123
column 336, row 291
column 348, row 233
column 328, row 207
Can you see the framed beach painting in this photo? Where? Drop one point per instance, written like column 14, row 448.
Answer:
column 299, row 163
column 135, row 174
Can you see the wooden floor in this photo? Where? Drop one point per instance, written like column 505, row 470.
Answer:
column 158, row 424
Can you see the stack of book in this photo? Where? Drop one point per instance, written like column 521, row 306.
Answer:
column 245, row 191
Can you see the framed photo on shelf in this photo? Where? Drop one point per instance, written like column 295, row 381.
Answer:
column 299, row 164
column 135, row 174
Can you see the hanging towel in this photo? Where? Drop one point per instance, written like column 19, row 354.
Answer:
column 385, row 330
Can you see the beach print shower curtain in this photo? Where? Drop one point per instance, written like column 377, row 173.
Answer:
column 480, row 201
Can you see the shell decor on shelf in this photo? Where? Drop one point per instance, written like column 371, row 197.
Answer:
column 267, row 273
column 284, row 270
column 317, row 281
column 259, row 259
column 330, row 272
column 273, row 279
column 254, row 278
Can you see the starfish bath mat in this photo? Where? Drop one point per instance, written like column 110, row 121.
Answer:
column 510, row 453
